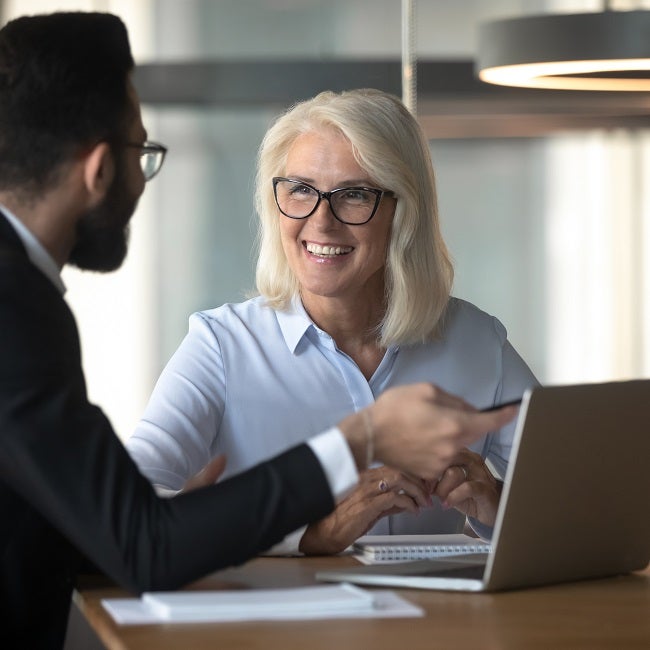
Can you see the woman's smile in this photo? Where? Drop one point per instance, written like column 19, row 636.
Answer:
column 326, row 251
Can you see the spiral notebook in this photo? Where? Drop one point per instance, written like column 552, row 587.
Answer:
column 381, row 549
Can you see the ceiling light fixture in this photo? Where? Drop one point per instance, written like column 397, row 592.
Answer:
column 609, row 50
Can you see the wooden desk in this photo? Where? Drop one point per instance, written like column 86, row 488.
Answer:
column 610, row 614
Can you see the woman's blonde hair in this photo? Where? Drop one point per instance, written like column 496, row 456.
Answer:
column 390, row 146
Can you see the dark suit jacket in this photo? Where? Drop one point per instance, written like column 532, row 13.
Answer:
column 68, row 488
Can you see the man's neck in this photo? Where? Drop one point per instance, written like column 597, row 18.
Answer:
column 44, row 220
column 38, row 255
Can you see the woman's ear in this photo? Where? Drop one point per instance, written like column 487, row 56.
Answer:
column 98, row 172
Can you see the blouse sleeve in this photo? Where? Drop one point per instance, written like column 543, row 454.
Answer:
column 172, row 442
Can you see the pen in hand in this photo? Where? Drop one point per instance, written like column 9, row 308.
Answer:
column 496, row 407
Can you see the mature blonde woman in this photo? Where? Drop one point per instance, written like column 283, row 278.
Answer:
column 354, row 282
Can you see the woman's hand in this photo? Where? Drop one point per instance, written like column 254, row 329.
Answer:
column 469, row 486
column 381, row 491
column 418, row 428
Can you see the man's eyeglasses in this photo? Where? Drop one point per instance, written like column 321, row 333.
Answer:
column 351, row 205
column 152, row 156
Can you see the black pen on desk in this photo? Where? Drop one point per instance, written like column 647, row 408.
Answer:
column 496, row 407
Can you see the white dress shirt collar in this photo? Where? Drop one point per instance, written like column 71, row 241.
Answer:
column 36, row 252
column 294, row 323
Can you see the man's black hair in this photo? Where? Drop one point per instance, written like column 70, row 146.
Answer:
column 63, row 87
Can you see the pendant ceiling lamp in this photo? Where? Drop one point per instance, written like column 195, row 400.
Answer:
column 609, row 50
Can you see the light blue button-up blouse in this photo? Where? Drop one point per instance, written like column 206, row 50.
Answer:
column 250, row 382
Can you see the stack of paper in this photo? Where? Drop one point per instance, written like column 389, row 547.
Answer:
column 322, row 601
column 264, row 603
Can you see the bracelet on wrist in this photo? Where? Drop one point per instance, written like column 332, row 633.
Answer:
column 370, row 437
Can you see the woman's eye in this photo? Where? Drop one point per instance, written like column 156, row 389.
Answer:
column 356, row 196
column 301, row 189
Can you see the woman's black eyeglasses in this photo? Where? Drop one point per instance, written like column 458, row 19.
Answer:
column 351, row 205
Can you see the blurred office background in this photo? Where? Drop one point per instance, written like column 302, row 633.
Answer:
column 547, row 215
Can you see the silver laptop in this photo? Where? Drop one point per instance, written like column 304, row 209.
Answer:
column 574, row 503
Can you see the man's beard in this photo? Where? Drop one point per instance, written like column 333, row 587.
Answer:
column 103, row 232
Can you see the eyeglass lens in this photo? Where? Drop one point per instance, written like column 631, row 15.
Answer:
column 152, row 156
column 151, row 162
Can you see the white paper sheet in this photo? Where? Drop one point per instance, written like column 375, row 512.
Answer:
column 320, row 602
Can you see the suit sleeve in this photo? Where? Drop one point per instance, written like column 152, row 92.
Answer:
column 60, row 454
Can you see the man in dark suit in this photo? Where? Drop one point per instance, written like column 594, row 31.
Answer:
column 73, row 163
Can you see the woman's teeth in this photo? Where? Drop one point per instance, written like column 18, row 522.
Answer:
column 328, row 251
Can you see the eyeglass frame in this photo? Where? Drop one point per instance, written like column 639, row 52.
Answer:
column 379, row 195
column 148, row 147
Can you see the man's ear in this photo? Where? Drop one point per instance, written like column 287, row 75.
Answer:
column 98, row 172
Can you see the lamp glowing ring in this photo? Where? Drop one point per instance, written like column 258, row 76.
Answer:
column 590, row 51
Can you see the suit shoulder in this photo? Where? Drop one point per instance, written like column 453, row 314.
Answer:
column 37, row 328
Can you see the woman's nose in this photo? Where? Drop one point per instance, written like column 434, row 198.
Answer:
column 323, row 215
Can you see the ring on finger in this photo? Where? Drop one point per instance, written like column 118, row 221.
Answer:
column 383, row 485
column 464, row 470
